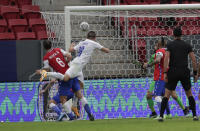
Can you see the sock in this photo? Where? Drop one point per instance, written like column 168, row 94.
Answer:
column 163, row 106
column 85, row 105
column 55, row 75
column 75, row 101
column 180, row 103
column 192, row 104
column 151, row 105
column 75, row 110
column 167, row 109
column 55, row 108
column 71, row 116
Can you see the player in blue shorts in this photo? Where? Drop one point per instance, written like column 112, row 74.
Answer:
column 64, row 89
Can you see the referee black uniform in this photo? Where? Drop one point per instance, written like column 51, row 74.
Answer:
column 177, row 55
column 178, row 64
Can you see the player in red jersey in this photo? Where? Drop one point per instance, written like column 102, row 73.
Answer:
column 159, row 74
column 55, row 58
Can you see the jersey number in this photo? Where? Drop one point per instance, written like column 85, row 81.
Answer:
column 81, row 48
column 60, row 62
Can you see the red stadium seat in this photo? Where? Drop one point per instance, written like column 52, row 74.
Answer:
column 18, row 25
column 4, row 2
column 41, row 35
column 31, row 11
column 24, row 2
column 3, row 25
column 10, row 12
column 26, row 36
column 7, row 36
column 37, row 24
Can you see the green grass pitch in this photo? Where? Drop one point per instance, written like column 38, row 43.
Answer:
column 175, row 124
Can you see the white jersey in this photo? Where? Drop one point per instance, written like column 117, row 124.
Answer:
column 85, row 50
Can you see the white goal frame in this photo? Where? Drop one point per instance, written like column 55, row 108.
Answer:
column 69, row 9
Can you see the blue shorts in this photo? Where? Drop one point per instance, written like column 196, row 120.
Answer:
column 56, row 98
column 159, row 88
column 75, row 85
column 65, row 87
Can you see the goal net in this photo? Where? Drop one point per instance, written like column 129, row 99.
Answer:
column 115, row 83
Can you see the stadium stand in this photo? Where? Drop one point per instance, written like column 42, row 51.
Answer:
column 41, row 35
column 37, row 25
column 30, row 11
column 4, row 2
column 10, row 12
column 3, row 25
column 18, row 25
column 7, row 36
column 17, row 16
column 25, row 36
column 24, row 2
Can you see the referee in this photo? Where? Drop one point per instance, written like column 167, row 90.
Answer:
column 176, row 69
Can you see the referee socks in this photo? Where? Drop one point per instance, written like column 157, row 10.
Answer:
column 163, row 106
column 192, row 104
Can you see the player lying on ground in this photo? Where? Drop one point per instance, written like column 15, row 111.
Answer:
column 176, row 69
column 55, row 59
column 55, row 101
column 149, row 93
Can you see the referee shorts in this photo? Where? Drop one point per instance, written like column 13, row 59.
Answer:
column 178, row 74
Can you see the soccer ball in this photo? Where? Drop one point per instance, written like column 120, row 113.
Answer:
column 84, row 26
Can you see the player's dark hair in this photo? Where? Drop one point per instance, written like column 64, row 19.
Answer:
column 162, row 41
column 177, row 32
column 47, row 44
column 91, row 35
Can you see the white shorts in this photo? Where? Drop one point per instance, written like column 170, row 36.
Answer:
column 75, row 70
column 80, row 77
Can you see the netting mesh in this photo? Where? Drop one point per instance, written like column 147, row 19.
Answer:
column 131, row 36
column 55, row 23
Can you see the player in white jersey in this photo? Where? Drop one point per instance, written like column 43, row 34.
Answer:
column 85, row 50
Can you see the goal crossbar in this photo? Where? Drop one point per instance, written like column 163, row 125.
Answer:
column 133, row 7
column 193, row 10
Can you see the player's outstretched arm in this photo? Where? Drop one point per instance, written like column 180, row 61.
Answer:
column 194, row 65
column 50, row 84
column 106, row 50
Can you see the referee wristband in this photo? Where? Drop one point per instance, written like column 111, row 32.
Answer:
column 195, row 73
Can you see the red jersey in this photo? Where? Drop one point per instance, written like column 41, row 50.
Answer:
column 159, row 67
column 56, row 60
